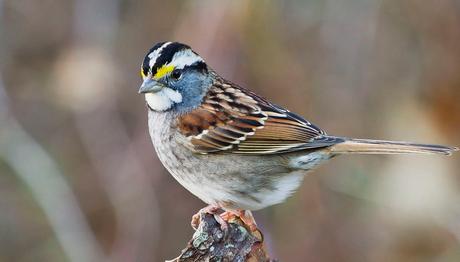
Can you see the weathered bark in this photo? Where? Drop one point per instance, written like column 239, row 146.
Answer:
column 211, row 243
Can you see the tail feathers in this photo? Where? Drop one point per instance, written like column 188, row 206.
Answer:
column 368, row 146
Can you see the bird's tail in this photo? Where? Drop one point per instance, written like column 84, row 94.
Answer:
column 368, row 146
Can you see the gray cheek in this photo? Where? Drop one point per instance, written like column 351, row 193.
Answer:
column 192, row 91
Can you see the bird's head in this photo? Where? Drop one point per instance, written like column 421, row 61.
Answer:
column 174, row 77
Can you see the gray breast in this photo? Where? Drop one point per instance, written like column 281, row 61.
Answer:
column 237, row 181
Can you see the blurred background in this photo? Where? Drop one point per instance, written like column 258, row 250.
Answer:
column 79, row 179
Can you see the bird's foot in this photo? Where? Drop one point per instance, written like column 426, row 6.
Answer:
column 223, row 218
column 244, row 215
column 213, row 210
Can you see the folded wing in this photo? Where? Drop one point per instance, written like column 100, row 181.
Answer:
column 235, row 120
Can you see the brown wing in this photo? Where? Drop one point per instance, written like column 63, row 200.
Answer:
column 235, row 120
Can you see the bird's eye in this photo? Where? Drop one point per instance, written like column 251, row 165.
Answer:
column 176, row 74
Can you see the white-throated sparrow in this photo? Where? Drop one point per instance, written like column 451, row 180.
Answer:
column 230, row 147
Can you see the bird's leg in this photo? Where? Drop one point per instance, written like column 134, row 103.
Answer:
column 223, row 218
column 244, row 215
column 228, row 215
column 248, row 219
column 213, row 210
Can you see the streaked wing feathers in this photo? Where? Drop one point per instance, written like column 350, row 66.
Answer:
column 233, row 119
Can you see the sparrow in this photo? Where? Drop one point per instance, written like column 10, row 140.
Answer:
column 229, row 146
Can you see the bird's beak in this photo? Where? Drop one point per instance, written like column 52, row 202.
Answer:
column 150, row 86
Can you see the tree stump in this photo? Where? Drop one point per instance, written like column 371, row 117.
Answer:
column 211, row 243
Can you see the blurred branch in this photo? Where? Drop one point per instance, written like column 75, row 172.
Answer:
column 40, row 173
column 37, row 169
column 210, row 243
column 101, row 129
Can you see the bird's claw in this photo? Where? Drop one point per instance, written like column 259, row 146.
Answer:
column 223, row 218
column 244, row 215
column 212, row 210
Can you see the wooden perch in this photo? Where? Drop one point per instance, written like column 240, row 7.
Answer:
column 211, row 243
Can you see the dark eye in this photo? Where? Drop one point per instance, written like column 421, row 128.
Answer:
column 176, row 74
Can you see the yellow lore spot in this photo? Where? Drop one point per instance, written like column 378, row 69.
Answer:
column 162, row 71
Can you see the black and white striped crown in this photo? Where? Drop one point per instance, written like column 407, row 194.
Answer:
column 164, row 57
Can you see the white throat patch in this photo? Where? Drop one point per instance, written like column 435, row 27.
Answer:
column 163, row 100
